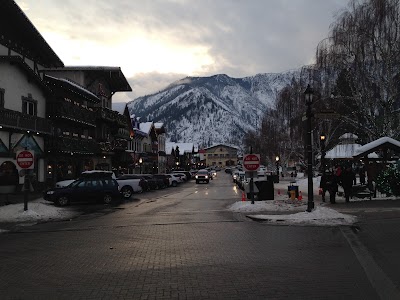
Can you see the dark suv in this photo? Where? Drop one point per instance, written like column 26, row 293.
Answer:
column 85, row 189
column 202, row 175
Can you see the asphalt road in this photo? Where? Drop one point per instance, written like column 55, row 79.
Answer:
column 183, row 243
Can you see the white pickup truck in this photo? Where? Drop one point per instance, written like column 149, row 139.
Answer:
column 129, row 183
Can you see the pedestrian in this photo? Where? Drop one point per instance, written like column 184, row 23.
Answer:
column 323, row 185
column 347, row 179
column 361, row 173
column 338, row 171
column 332, row 186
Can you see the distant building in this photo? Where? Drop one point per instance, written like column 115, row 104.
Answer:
column 221, row 156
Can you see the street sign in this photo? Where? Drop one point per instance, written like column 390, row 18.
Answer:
column 251, row 162
column 25, row 159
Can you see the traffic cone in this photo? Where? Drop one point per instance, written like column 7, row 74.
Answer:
column 243, row 197
column 300, row 196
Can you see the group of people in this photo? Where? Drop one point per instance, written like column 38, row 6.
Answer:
column 331, row 180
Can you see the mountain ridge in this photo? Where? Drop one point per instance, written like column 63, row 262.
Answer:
column 217, row 109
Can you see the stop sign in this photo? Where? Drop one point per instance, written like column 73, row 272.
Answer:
column 25, row 159
column 251, row 162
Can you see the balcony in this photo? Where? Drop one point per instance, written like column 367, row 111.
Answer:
column 14, row 119
column 74, row 145
column 111, row 116
column 71, row 112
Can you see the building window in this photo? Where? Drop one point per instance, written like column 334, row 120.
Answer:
column 2, row 92
column 29, row 105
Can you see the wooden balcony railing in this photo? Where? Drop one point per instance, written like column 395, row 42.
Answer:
column 18, row 120
column 71, row 144
column 69, row 111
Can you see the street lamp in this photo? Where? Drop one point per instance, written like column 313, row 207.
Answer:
column 277, row 168
column 308, row 95
column 140, row 164
column 322, row 138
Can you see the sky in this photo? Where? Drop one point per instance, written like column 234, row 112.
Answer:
column 281, row 210
column 156, row 42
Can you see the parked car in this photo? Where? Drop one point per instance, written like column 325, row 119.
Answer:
column 154, row 183
column 181, row 176
column 130, row 184
column 228, row 170
column 203, row 176
column 164, row 179
column 186, row 173
column 173, row 180
column 85, row 189
column 85, row 174
column 159, row 181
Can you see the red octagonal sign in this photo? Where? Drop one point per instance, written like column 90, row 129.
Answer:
column 25, row 159
column 251, row 162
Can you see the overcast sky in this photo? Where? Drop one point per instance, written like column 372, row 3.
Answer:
column 156, row 42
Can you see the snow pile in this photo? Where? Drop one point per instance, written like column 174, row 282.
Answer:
column 38, row 210
column 320, row 216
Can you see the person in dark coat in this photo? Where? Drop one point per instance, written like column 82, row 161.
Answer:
column 347, row 179
column 362, row 175
column 333, row 188
column 323, row 185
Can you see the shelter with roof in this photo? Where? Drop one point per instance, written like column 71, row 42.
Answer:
column 346, row 149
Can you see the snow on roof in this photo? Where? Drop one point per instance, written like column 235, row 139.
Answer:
column 183, row 147
column 158, row 125
column 70, row 82
column 145, row 127
column 348, row 136
column 345, row 151
column 377, row 143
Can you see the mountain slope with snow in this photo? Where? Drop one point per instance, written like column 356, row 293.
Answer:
column 212, row 110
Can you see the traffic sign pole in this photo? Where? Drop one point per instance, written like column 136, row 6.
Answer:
column 25, row 160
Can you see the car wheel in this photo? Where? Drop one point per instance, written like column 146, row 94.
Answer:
column 208, row 181
column 62, row 201
column 107, row 199
column 174, row 183
column 197, row 181
column 126, row 192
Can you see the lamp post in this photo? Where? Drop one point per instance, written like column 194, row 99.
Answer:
column 308, row 95
column 140, row 164
column 277, row 168
column 322, row 138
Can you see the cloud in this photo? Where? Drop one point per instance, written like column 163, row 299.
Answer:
column 201, row 38
column 146, row 83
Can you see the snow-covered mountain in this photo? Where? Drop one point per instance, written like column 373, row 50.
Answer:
column 212, row 110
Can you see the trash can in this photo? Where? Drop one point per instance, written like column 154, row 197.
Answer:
column 294, row 188
column 265, row 189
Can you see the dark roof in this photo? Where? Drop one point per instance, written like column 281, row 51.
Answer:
column 112, row 75
column 20, row 35
column 221, row 145
column 72, row 86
